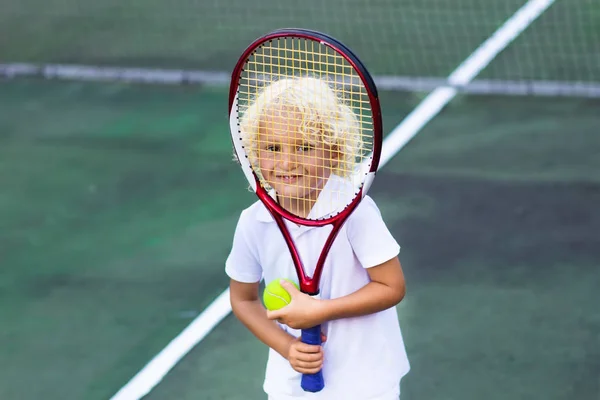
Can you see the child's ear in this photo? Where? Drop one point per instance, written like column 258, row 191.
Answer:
column 336, row 156
column 335, row 152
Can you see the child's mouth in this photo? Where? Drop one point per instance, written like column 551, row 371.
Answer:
column 288, row 178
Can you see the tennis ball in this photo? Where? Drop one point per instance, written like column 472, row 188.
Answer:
column 275, row 296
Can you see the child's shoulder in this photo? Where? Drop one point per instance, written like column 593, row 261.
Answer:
column 366, row 208
column 366, row 212
column 254, row 212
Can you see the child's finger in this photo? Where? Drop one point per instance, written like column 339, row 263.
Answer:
column 276, row 314
column 307, row 368
column 323, row 338
column 309, row 365
column 309, row 357
column 307, row 348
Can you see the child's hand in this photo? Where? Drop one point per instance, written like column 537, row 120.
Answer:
column 306, row 358
column 303, row 311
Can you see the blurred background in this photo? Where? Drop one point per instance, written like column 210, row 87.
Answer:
column 118, row 196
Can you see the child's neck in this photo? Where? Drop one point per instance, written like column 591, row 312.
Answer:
column 302, row 206
column 299, row 207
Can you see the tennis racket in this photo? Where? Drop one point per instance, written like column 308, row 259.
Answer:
column 306, row 127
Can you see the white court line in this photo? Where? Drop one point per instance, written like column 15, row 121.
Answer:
column 142, row 383
column 157, row 368
column 465, row 73
column 96, row 73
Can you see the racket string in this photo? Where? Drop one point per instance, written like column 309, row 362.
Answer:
column 297, row 171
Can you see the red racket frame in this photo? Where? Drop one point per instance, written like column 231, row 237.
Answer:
column 310, row 285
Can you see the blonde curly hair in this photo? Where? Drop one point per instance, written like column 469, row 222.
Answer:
column 326, row 118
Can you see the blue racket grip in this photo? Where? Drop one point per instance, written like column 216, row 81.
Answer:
column 312, row 382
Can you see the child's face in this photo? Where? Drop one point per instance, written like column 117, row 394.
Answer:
column 295, row 168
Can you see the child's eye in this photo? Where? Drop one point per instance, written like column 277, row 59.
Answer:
column 304, row 148
column 272, row 147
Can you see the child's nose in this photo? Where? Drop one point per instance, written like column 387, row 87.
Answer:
column 288, row 159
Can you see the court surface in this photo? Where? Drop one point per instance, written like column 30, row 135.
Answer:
column 112, row 243
column 118, row 201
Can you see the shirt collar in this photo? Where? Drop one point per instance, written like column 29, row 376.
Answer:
column 338, row 189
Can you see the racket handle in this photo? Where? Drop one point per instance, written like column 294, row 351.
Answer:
column 312, row 382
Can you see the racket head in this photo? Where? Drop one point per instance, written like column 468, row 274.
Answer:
column 305, row 122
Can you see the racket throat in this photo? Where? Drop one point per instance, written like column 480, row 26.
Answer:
column 310, row 286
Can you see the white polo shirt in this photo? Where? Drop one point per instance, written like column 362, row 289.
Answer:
column 365, row 356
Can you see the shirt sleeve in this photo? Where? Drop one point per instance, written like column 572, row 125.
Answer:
column 371, row 240
column 242, row 263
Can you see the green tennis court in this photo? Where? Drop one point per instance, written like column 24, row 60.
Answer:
column 111, row 242
column 408, row 38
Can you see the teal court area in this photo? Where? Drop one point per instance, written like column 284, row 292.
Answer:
column 112, row 242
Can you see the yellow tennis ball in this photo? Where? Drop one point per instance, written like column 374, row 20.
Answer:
column 275, row 296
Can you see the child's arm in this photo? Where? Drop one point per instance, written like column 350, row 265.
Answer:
column 246, row 306
column 386, row 289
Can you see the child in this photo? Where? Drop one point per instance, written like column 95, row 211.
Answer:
column 303, row 140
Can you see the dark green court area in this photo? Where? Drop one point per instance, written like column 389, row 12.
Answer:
column 406, row 38
column 112, row 241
